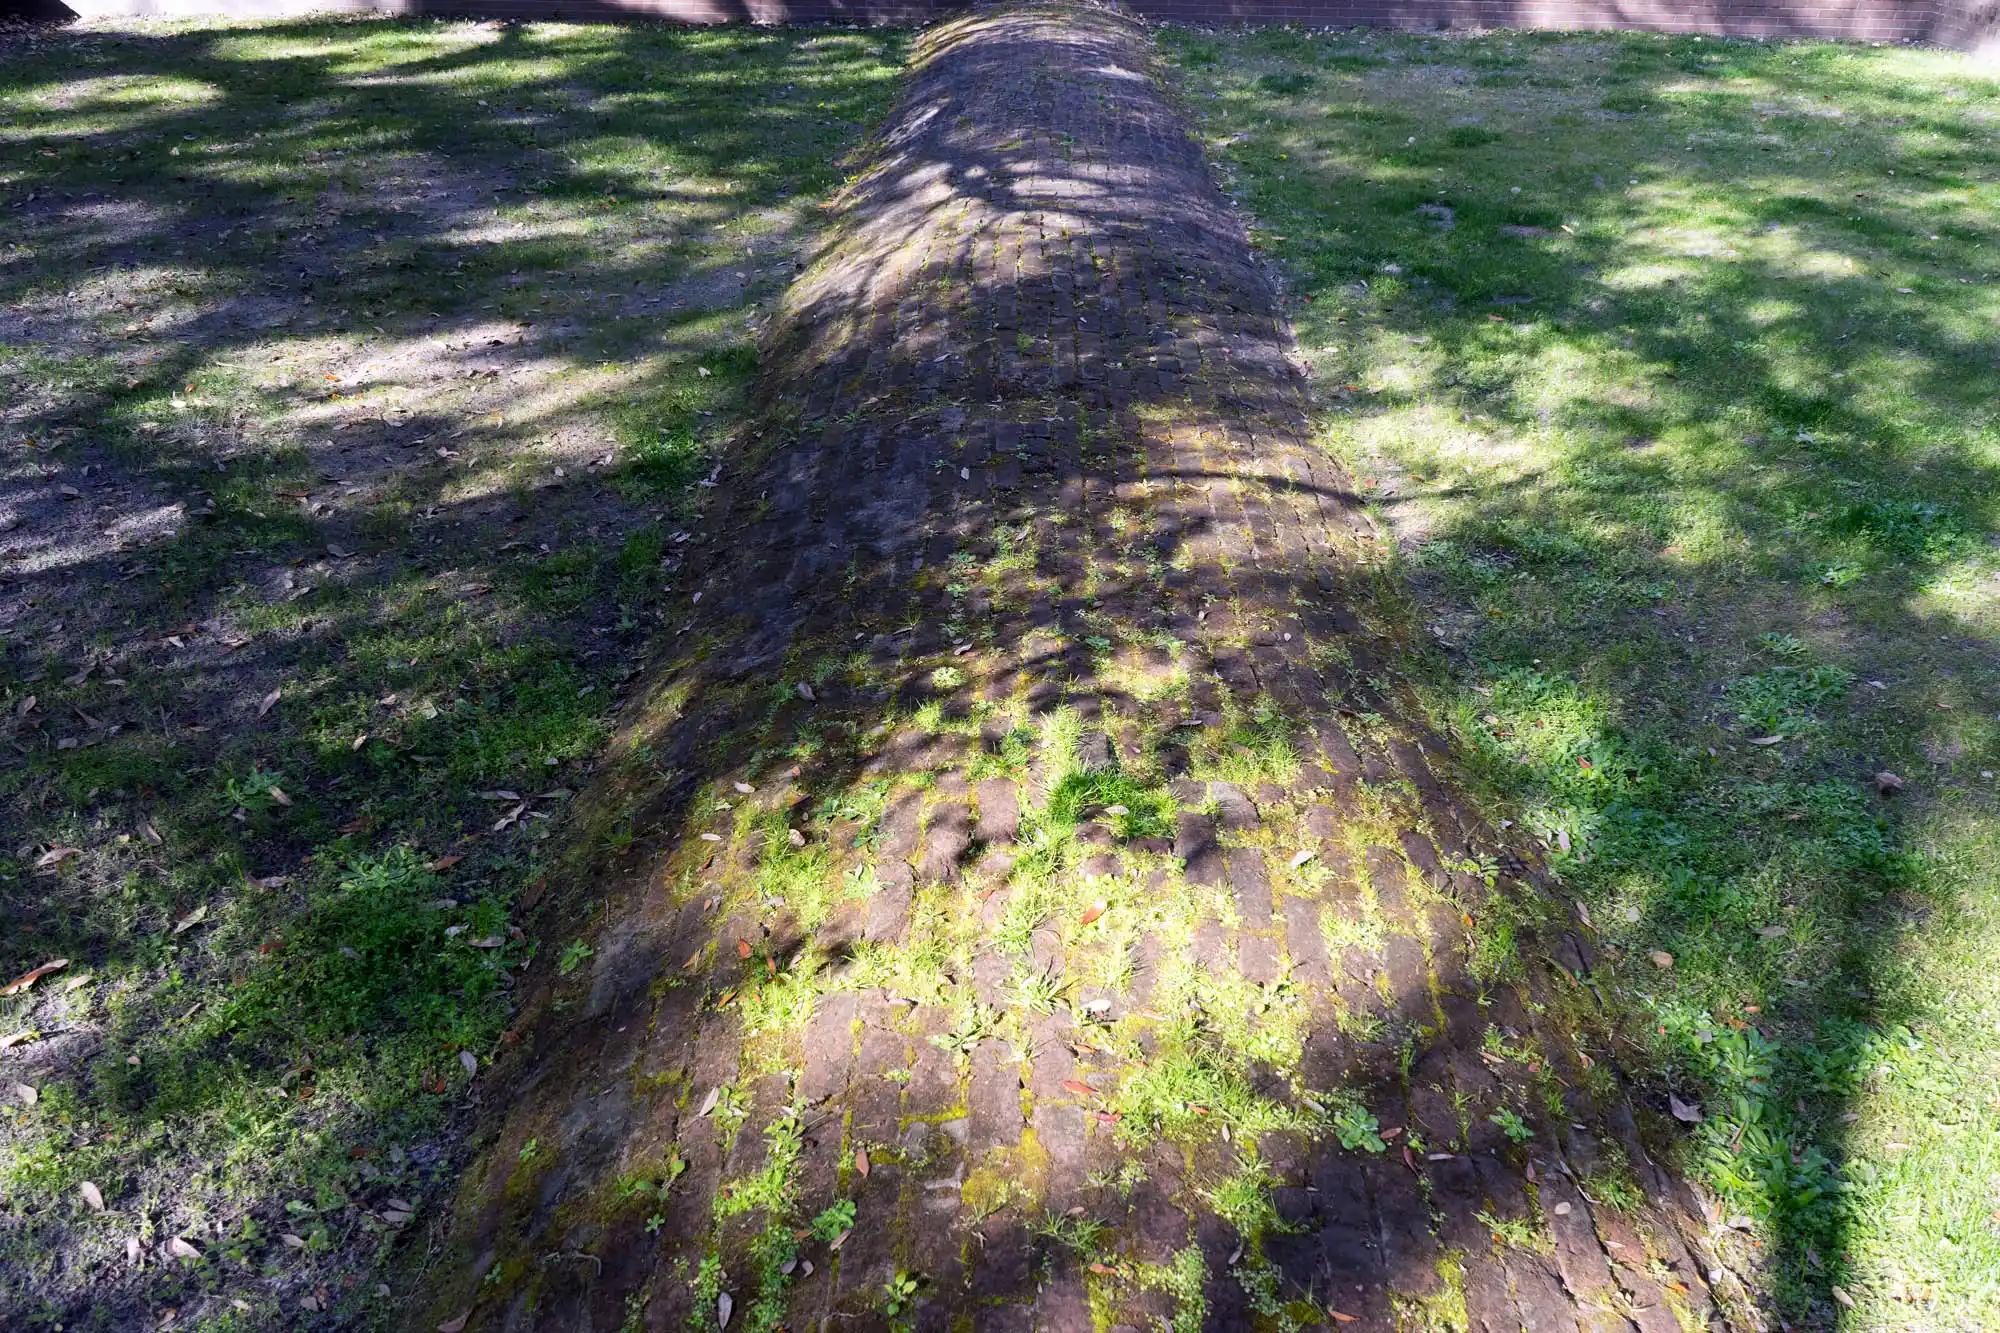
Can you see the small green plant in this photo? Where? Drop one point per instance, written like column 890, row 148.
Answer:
column 833, row 1219
column 1511, row 1124
column 1518, row 1233
column 573, row 956
column 256, row 791
column 899, row 1293
column 1357, row 1128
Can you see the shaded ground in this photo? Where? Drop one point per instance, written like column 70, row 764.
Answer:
column 1672, row 361
column 1048, row 907
column 360, row 382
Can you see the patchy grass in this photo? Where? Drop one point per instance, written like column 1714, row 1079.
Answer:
column 363, row 378
column 1670, row 364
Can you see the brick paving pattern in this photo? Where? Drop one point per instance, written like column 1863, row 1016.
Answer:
column 1037, row 536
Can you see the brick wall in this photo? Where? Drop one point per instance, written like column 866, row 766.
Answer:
column 1969, row 25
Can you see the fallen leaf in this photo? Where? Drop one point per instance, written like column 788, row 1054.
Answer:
column 56, row 856
column 861, row 1162
column 1300, row 858
column 1340, row 1318
column 92, row 1196
column 292, row 1242
column 132, row 1250
column 743, row 787
column 1661, row 959
column 489, row 942
column 1773, row 932
column 805, row 692
column 16, row 1038
column 470, row 1061
column 192, row 919
column 27, row 979
column 1766, row 740
column 182, row 1248
column 743, row 949
column 841, row 1239
column 26, row 1093
column 446, row 862
column 270, row 701
column 1843, row 1297
column 1684, row 1111
column 455, row 1325
column 1091, row 913
column 795, row 838
column 1887, row 783
column 1080, row 1089
column 708, row 1102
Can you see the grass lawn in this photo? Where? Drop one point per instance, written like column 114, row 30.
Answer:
column 361, row 379
column 1671, row 366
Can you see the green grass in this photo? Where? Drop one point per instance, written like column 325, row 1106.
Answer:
column 1668, row 364
column 424, row 337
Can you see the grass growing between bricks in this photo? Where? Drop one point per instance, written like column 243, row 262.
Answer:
column 1669, row 365
column 364, row 378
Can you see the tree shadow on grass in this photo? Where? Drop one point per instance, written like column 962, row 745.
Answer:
column 484, row 257
column 1672, row 357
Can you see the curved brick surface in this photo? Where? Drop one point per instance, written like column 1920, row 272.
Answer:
column 1041, row 851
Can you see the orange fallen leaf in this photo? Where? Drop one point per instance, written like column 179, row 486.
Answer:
column 1080, row 1089
column 1340, row 1318
column 743, row 948
column 1091, row 913
column 446, row 862
column 861, row 1162
column 27, row 979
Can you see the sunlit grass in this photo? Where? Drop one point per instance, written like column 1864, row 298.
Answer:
column 1670, row 363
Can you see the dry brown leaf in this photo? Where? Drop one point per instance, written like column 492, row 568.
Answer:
column 56, row 856
column 1661, row 959
column 1091, row 913
column 16, row 1038
column 26, row 1094
column 1340, row 1318
column 270, row 701
column 192, row 919
column 1080, row 1089
column 1686, row 1112
column 1888, row 783
column 861, row 1162
column 841, row 1239
column 27, row 979
column 182, row 1248
column 743, row 948
column 446, row 862
column 292, row 1242
column 455, row 1325
column 92, row 1196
